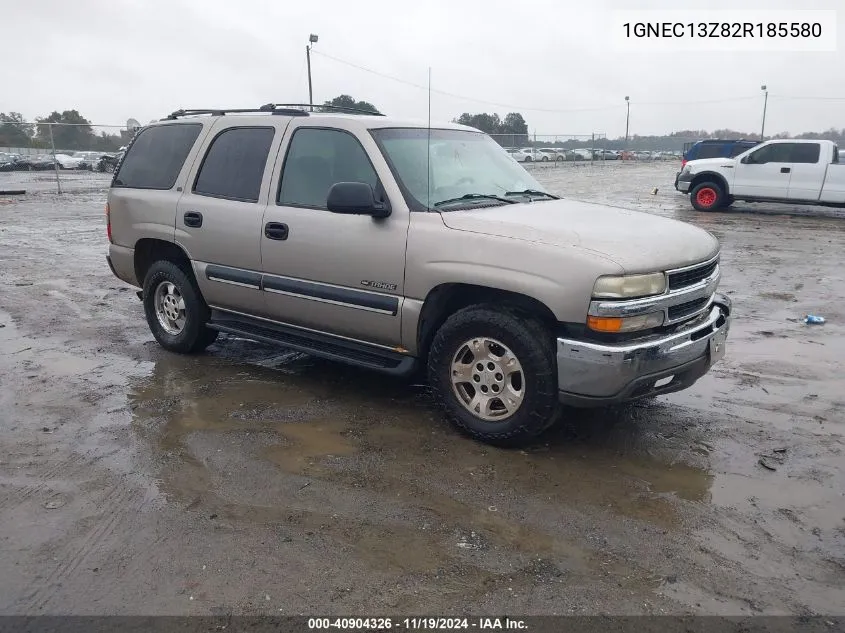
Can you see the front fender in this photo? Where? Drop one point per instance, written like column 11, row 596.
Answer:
column 711, row 176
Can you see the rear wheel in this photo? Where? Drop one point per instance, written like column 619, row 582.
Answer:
column 707, row 196
column 495, row 374
column 176, row 312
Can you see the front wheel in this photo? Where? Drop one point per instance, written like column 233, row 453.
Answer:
column 495, row 374
column 707, row 196
column 176, row 312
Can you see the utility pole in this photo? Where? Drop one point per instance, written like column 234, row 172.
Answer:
column 765, row 103
column 55, row 164
column 312, row 39
column 627, row 119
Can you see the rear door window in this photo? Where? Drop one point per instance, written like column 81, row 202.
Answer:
column 804, row 152
column 233, row 167
column 155, row 157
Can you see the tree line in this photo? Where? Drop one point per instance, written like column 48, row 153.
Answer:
column 75, row 132
column 510, row 131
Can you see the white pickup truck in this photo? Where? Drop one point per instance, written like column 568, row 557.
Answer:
column 788, row 171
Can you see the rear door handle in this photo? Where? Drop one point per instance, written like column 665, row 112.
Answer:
column 192, row 218
column 784, row 170
column 276, row 231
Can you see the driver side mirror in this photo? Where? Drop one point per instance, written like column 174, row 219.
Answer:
column 355, row 198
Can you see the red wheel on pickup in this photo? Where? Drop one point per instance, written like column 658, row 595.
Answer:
column 707, row 196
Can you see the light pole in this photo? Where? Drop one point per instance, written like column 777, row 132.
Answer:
column 313, row 40
column 765, row 103
column 627, row 119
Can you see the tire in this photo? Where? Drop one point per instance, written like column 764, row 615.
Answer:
column 707, row 196
column 495, row 331
column 528, row 159
column 192, row 335
column 545, row 159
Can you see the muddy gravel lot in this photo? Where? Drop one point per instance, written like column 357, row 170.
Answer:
column 255, row 480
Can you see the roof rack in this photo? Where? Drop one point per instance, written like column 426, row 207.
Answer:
column 222, row 111
column 324, row 107
column 288, row 109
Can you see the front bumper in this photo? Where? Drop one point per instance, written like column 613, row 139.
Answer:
column 593, row 374
column 683, row 181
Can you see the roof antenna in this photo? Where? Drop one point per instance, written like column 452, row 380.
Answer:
column 428, row 144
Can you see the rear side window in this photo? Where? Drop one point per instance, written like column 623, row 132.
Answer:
column 804, row 152
column 155, row 157
column 233, row 167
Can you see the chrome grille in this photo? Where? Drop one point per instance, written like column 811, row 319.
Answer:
column 681, row 310
column 690, row 276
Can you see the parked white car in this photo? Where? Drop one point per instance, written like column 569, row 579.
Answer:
column 551, row 153
column 521, row 155
column 66, row 161
column 582, row 154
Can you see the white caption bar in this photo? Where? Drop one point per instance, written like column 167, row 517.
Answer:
column 727, row 30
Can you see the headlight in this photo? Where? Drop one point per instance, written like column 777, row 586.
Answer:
column 686, row 169
column 626, row 324
column 630, row 286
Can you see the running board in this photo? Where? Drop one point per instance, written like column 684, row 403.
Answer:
column 314, row 343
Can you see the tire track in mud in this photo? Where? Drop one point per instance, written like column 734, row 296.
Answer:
column 69, row 467
column 41, row 591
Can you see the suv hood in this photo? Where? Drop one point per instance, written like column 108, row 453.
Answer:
column 638, row 242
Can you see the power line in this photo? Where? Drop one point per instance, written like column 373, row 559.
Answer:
column 802, row 98
column 522, row 107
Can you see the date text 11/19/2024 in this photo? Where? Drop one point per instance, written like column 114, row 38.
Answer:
column 420, row 623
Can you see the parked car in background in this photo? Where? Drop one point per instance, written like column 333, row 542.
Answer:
column 546, row 154
column 582, row 154
column 66, row 161
column 716, row 148
column 521, row 155
column 44, row 162
column 7, row 162
column 605, row 154
column 108, row 162
column 89, row 159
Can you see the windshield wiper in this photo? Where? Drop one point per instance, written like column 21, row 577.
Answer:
column 474, row 196
column 532, row 192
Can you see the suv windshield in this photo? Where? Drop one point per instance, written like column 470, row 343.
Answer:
column 462, row 165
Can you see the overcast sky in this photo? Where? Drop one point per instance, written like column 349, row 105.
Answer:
column 115, row 59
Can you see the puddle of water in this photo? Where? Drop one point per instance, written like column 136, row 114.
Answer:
column 309, row 442
column 394, row 439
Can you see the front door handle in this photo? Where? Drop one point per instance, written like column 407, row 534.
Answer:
column 276, row 231
column 193, row 219
column 784, row 170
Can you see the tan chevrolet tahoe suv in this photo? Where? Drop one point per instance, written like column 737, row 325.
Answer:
column 394, row 246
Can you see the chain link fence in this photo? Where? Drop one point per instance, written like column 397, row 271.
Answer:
column 60, row 157
column 546, row 150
